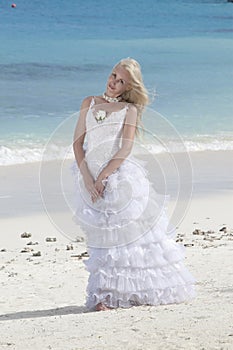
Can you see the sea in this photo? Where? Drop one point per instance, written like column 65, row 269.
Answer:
column 54, row 53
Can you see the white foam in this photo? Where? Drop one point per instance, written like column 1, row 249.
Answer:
column 21, row 155
column 11, row 156
column 191, row 146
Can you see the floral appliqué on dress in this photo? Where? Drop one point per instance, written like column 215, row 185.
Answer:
column 100, row 116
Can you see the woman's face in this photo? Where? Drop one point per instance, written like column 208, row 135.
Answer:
column 118, row 82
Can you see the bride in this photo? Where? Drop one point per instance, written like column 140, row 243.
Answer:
column 132, row 260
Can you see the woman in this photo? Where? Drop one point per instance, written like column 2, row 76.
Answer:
column 132, row 261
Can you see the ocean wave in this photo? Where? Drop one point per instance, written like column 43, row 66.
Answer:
column 191, row 146
column 11, row 156
column 22, row 155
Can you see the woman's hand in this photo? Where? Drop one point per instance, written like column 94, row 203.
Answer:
column 90, row 186
column 99, row 187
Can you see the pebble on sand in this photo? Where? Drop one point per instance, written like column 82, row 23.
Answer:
column 80, row 256
column 197, row 231
column 26, row 235
column 26, row 250
column 32, row 243
column 37, row 253
column 79, row 239
column 50, row 239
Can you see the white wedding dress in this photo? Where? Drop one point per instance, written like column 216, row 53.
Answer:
column 132, row 260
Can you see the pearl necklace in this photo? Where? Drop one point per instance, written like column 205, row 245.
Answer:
column 111, row 99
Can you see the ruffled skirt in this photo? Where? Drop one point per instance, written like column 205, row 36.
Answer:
column 132, row 258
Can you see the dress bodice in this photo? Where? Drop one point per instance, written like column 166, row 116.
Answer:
column 103, row 138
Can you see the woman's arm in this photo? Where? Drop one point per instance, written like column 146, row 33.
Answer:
column 126, row 147
column 79, row 136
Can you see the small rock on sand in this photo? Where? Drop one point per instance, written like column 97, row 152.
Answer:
column 32, row 243
column 26, row 250
column 37, row 253
column 50, row 239
column 26, row 235
column 197, row 231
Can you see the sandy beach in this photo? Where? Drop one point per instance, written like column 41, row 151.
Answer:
column 42, row 294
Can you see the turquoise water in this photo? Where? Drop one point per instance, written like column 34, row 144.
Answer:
column 55, row 53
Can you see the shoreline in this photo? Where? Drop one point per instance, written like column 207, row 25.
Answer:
column 181, row 176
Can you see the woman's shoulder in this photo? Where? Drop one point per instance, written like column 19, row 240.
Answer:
column 87, row 101
column 131, row 108
column 91, row 99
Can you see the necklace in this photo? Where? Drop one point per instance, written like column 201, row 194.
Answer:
column 111, row 99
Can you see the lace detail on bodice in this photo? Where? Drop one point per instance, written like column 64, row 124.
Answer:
column 103, row 139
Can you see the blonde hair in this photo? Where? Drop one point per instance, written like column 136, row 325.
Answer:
column 137, row 94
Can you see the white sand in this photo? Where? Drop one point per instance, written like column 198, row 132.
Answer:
column 42, row 298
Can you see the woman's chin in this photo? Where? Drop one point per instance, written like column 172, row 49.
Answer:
column 110, row 92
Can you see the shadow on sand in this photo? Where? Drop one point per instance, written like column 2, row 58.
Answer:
column 66, row 310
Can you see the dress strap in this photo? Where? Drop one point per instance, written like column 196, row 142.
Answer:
column 92, row 101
